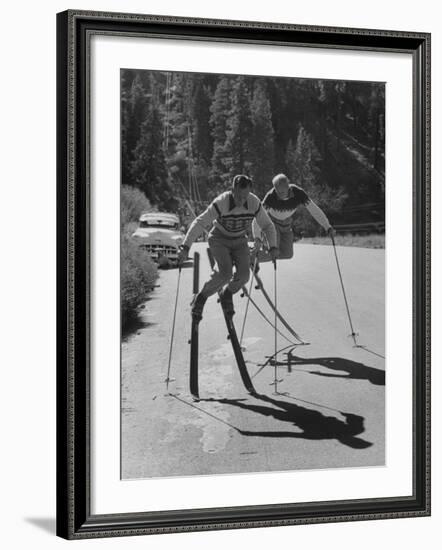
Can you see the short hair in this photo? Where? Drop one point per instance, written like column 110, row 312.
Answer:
column 280, row 178
column 242, row 181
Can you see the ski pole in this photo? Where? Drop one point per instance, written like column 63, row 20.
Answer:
column 276, row 327
column 260, row 286
column 249, row 293
column 264, row 316
column 353, row 333
column 173, row 327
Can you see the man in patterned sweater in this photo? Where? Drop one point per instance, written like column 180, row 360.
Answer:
column 281, row 203
column 229, row 218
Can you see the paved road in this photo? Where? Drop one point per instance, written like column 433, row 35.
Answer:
column 330, row 409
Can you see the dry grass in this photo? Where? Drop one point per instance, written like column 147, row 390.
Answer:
column 362, row 241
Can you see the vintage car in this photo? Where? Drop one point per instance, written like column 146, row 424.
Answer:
column 160, row 235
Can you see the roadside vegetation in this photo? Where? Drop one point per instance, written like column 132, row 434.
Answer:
column 138, row 271
column 373, row 240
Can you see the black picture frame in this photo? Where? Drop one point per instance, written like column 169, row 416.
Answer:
column 74, row 518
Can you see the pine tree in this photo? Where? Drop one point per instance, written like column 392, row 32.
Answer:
column 219, row 109
column 148, row 169
column 177, row 114
column 200, row 146
column 238, row 130
column 177, row 153
column 303, row 161
column 200, row 116
column 261, row 139
column 134, row 107
column 376, row 116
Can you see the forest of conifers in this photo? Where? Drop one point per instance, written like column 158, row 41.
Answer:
column 184, row 135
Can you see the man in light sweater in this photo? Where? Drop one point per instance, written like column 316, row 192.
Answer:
column 281, row 203
column 229, row 218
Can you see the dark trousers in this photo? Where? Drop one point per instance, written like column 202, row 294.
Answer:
column 284, row 242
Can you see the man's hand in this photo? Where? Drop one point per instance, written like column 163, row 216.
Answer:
column 257, row 245
column 331, row 231
column 183, row 254
column 274, row 253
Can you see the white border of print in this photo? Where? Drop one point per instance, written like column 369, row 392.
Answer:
column 108, row 493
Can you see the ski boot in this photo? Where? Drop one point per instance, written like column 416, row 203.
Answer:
column 227, row 302
column 198, row 306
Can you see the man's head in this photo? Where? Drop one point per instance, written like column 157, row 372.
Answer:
column 241, row 187
column 281, row 185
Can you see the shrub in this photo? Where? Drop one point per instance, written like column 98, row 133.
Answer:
column 138, row 271
column 133, row 203
column 138, row 275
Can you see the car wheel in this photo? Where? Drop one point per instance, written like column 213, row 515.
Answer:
column 163, row 262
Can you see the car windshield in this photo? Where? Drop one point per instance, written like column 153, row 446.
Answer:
column 159, row 225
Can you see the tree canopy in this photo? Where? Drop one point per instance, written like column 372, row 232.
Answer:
column 184, row 135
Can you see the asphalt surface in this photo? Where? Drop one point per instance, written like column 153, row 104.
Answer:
column 329, row 409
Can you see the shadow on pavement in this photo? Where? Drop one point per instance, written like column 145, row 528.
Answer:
column 355, row 370
column 314, row 425
column 132, row 327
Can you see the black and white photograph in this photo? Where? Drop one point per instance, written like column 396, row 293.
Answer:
column 252, row 215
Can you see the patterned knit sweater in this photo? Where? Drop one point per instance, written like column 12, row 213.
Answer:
column 226, row 219
column 281, row 210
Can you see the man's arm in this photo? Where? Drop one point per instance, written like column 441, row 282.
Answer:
column 265, row 223
column 256, row 231
column 201, row 223
column 318, row 214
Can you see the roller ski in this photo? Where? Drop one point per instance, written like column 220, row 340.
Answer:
column 197, row 308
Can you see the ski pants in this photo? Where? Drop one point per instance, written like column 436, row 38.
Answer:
column 228, row 253
column 284, row 242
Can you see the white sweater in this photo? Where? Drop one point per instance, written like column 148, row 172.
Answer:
column 224, row 217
